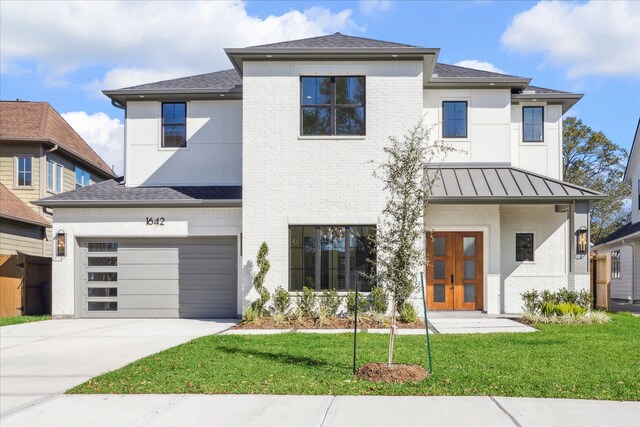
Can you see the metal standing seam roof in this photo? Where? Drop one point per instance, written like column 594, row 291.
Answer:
column 500, row 183
column 113, row 192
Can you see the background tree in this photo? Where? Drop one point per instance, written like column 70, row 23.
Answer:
column 401, row 229
column 592, row 160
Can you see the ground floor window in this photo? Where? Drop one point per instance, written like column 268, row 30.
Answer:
column 331, row 257
column 524, row 246
column 615, row 264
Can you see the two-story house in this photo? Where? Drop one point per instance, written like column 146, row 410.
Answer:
column 40, row 155
column 281, row 149
column 622, row 245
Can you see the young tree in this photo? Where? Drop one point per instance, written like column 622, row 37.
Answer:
column 592, row 160
column 401, row 230
column 260, row 305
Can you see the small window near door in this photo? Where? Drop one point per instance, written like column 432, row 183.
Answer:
column 615, row 264
column 532, row 124
column 524, row 247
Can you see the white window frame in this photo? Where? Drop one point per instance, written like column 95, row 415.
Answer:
column 55, row 172
column 75, row 178
column 16, row 175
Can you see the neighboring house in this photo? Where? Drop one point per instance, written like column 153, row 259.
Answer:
column 622, row 245
column 281, row 149
column 40, row 155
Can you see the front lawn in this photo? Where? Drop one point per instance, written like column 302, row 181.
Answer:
column 7, row 321
column 562, row 361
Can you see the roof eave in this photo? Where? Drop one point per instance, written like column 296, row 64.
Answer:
column 44, row 224
column 510, row 199
column 125, row 95
column 567, row 100
column 479, row 82
column 122, row 203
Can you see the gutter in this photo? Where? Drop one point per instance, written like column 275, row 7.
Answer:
column 133, row 203
column 633, row 268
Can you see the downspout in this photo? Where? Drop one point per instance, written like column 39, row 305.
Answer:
column 633, row 268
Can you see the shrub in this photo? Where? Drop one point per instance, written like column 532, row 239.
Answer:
column 307, row 302
column 584, row 299
column 281, row 301
column 250, row 315
column 260, row 305
column 569, row 309
column 548, row 296
column 329, row 303
column 379, row 300
column 566, row 296
column 593, row 317
column 546, row 308
column 407, row 313
column 531, row 301
column 351, row 303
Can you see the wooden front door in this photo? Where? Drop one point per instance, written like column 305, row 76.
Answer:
column 455, row 270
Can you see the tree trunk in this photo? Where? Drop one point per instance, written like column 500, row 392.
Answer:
column 392, row 332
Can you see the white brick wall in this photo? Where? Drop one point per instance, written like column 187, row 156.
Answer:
column 129, row 222
column 292, row 180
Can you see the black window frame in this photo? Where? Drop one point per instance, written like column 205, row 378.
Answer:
column 533, row 247
column 332, row 106
column 318, row 254
column 616, row 269
column 163, row 125
column 466, row 119
column 524, row 107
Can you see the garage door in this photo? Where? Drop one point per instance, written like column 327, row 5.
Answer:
column 193, row 278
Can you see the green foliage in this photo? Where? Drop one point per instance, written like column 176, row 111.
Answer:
column 250, row 315
column 566, row 296
column 568, row 309
column 407, row 313
column 592, row 160
column 547, row 308
column 548, row 296
column 531, row 301
column 260, row 304
column 351, row 303
column 584, row 299
column 329, row 303
column 8, row 321
column 281, row 301
column 307, row 302
column 378, row 300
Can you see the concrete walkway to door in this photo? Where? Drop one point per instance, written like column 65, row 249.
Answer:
column 43, row 359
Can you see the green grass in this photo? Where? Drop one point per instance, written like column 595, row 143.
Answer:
column 7, row 321
column 562, row 361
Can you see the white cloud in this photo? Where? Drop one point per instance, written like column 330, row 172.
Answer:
column 594, row 38
column 104, row 134
column 479, row 65
column 150, row 39
column 370, row 7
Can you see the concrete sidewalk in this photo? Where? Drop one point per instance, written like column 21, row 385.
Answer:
column 268, row 410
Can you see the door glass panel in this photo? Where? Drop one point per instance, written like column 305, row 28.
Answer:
column 102, row 261
column 438, row 269
column 439, row 246
column 102, row 305
column 438, row 293
column 469, row 244
column 469, row 270
column 469, row 293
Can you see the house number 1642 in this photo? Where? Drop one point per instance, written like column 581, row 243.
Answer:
column 156, row 221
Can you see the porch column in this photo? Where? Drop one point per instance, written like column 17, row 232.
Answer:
column 579, row 264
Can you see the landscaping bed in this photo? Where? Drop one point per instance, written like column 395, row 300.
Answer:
column 561, row 361
column 364, row 322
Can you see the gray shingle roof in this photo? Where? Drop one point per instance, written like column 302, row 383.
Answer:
column 446, row 70
column 336, row 40
column 486, row 183
column 114, row 191
column 541, row 90
column 219, row 80
column 627, row 230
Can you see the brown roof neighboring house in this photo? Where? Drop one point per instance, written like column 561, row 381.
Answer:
column 15, row 209
column 39, row 121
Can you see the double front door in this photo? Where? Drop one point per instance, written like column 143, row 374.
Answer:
column 454, row 270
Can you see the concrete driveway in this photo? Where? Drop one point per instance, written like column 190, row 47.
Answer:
column 43, row 359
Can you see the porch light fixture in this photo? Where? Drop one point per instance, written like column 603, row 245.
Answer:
column 61, row 244
column 581, row 246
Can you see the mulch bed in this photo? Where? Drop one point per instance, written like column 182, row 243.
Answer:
column 364, row 322
column 396, row 373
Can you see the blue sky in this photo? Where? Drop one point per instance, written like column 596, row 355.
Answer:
column 79, row 49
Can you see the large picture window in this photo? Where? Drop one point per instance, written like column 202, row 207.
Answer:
column 533, row 124
column 331, row 257
column 454, row 118
column 333, row 105
column 174, row 124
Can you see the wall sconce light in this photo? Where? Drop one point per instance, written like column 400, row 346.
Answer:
column 581, row 246
column 61, row 244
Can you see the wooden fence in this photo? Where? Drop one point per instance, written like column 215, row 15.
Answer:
column 601, row 280
column 24, row 285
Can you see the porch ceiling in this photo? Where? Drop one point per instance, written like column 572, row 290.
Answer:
column 500, row 183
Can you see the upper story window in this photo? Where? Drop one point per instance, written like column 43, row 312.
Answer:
column 83, row 178
column 24, row 171
column 615, row 264
column 454, row 118
column 174, row 124
column 54, row 176
column 333, row 105
column 532, row 124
